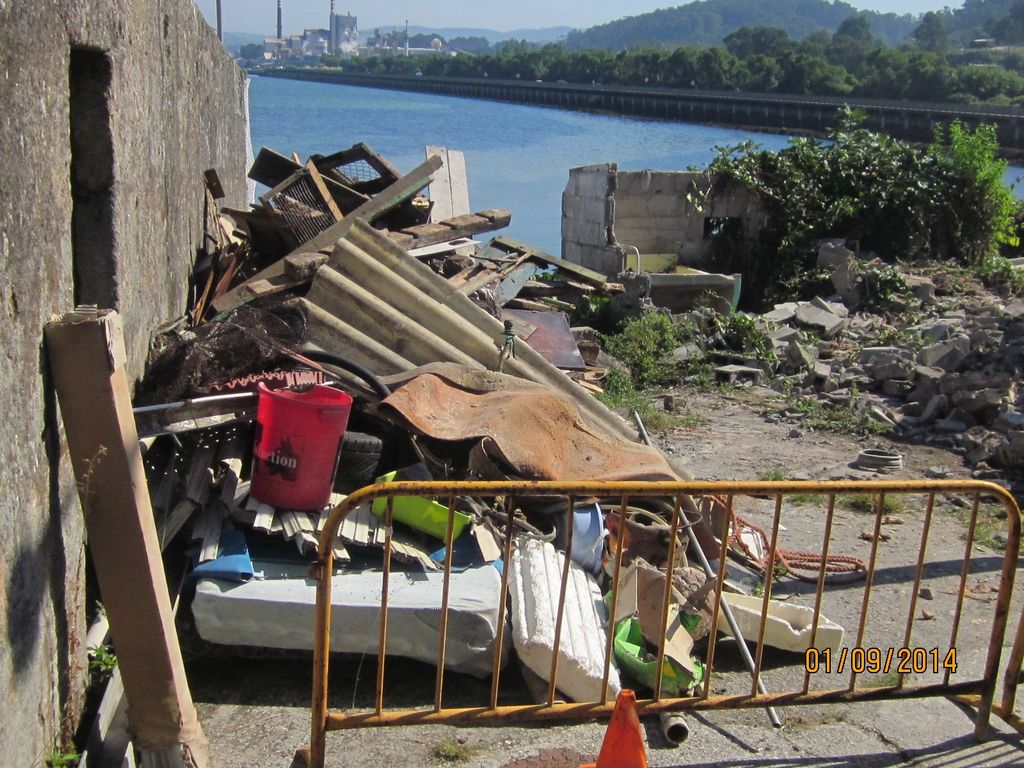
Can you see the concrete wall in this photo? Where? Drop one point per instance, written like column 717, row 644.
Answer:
column 174, row 107
column 607, row 212
column 588, row 211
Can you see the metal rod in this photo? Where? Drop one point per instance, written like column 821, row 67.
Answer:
column 586, row 711
column 382, row 639
column 713, row 636
column 820, row 591
column 666, row 600
column 769, row 579
column 919, row 573
column 995, row 644
column 734, row 626
column 193, row 401
column 608, row 647
column 442, row 644
column 964, row 571
column 553, row 679
column 502, row 602
column 872, row 561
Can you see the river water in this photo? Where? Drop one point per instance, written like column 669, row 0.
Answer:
column 517, row 157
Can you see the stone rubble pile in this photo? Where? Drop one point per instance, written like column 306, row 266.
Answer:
column 940, row 369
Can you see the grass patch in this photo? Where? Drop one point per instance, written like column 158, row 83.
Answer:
column 990, row 529
column 645, row 345
column 842, row 419
column 774, row 474
column 867, row 504
column 620, row 392
column 451, row 750
column 688, row 419
column 889, row 680
column 808, row 498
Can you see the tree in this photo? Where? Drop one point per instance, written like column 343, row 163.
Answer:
column 931, row 34
column 855, row 28
column 251, row 52
column 747, row 41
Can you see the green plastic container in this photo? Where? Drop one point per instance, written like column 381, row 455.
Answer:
column 420, row 513
column 630, row 650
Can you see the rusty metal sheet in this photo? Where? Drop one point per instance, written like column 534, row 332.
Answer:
column 540, row 434
column 551, row 337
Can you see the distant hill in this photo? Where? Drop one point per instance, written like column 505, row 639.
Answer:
column 235, row 40
column 709, row 21
column 540, row 35
column 979, row 18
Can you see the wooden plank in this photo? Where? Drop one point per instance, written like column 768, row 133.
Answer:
column 459, row 181
column 440, row 190
column 457, row 227
column 87, row 361
column 588, row 276
column 318, row 182
column 206, row 530
column 109, row 739
column 199, row 478
column 270, row 168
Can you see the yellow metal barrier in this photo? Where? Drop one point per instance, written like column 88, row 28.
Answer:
column 978, row 692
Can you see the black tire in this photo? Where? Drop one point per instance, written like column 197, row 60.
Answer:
column 359, row 460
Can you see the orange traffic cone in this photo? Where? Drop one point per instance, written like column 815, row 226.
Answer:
column 623, row 745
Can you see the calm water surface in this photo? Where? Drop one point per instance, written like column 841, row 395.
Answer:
column 517, row 157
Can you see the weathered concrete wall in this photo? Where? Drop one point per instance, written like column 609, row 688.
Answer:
column 607, row 212
column 588, row 211
column 666, row 212
column 175, row 105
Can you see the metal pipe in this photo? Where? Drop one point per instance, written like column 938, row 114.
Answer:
column 773, row 716
column 192, row 401
column 674, row 728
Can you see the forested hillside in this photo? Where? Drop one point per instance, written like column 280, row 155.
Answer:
column 710, row 21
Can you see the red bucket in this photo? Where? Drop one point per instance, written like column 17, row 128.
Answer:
column 298, row 436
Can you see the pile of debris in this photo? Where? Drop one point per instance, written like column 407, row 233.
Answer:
column 915, row 355
column 423, row 354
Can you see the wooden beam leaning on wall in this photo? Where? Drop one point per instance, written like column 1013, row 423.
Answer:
column 87, row 357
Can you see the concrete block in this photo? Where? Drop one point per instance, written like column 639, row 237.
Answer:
column 936, row 407
column 897, row 387
column 823, row 321
column 976, row 402
column 945, row 354
column 782, row 313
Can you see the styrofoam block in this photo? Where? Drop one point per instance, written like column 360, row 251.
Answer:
column 534, row 582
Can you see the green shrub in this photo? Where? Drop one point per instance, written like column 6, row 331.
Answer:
column 645, row 345
column 946, row 201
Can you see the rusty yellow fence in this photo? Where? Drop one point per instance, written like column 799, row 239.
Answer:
column 978, row 691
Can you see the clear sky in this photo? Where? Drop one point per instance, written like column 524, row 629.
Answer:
column 260, row 16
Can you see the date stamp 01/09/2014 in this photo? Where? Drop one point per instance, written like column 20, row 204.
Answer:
column 873, row 660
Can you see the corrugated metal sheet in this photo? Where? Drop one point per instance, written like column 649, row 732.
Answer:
column 378, row 306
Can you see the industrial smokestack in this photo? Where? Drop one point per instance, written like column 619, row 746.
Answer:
column 406, row 37
column 333, row 33
column 280, row 26
column 220, row 23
